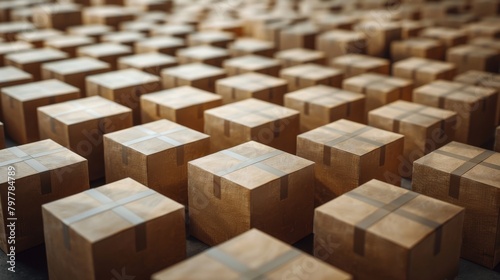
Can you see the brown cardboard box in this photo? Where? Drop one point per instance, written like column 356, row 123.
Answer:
column 197, row 75
column 156, row 155
column 204, row 54
column 68, row 43
column 125, row 87
column 35, row 174
column 250, row 186
column 449, row 37
column 31, row 60
column 379, row 35
column 300, row 35
column 355, row 64
column 339, row 42
column 108, row 15
column 246, row 46
column 320, row 105
column 425, row 129
column 417, row 47
column 483, row 30
column 12, row 47
column 90, row 30
column 412, row 28
column 184, row 105
column 379, row 231
column 251, row 85
column 127, row 38
column 476, row 108
column 271, row 31
column 175, row 30
column 210, row 37
column 79, row 125
column 306, row 75
column 297, row 56
column 488, row 43
column 74, row 71
column 160, row 44
column 19, row 104
column 8, row 30
column 371, row 153
column 252, row 119
column 469, row 177
column 423, row 71
column 122, row 227
column 379, row 89
column 57, row 15
column 469, row 57
column 252, row 63
column 38, row 37
column 276, row 260
column 152, row 63
column 11, row 76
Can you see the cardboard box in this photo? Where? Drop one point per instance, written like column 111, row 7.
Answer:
column 469, row 57
column 106, row 52
column 371, row 153
column 125, row 87
column 139, row 223
column 276, row 260
column 152, row 63
column 127, row 38
column 31, row 60
column 469, row 177
column 488, row 43
column 35, row 174
column 300, row 35
column 297, row 56
column 108, row 15
column 184, row 105
column 423, row 71
column 306, row 75
column 379, row 35
column 210, row 37
column 379, row 89
column 175, row 30
column 74, row 71
column 252, row 63
column 203, row 54
column 68, row 43
column 476, row 108
column 160, row 44
column 11, row 76
column 483, row 30
column 156, row 155
column 223, row 23
column 412, row 28
column 356, row 64
column 449, row 37
column 252, row 119
column 8, row 30
column 246, row 46
column 417, row 47
column 38, row 37
column 20, row 102
column 251, row 85
column 79, row 125
column 12, row 47
column 379, row 231
column 58, row 16
column 90, row 30
column 320, row 105
column 425, row 129
column 339, row 42
column 197, row 75
column 250, row 186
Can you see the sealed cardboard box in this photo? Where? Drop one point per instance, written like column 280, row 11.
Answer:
column 210, row 37
column 483, row 29
column 127, row 38
column 8, row 30
column 156, row 155
column 300, row 35
column 38, row 37
column 339, row 42
column 276, row 260
column 469, row 177
column 356, row 64
column 58, row 16
column 12, row 47
column 246, row 46
column 425, row 129
column 320, row 105
column 184, row 105
column 252, row 119
column 197, row 75
column 68, row 43
column 449, row 37
column 423, row 71
column 379, row 89
column 417, row 47
column 251, row 85
column 79, row 125
column 90, row 30
column 412, row 28
column 306, row 75
column 225, row 24
column 476, row 108
column 297, row 56
column 152, row 63
column 379, row 35
column 74, row 71
column 108, row 15
column 469, row 57
column 250, row 186
column 371, row 153
column 488, row 43
column 379, row 231
column 11, row 76
column 19, row 104
column 125, row 87
column 36, row 173
column 160, row 44
column 252, row 63
column 206, row 54
column 139, row 223
column 31, row 60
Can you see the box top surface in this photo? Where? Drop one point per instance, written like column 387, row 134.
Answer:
column 210, row 36
column 122, row 204
column 104, row 49
column 123, row 36
column 181, row 97
column 76, row 65
column 38, row 35
column 389, row 212
column 311, row 71
column 472, row 51
column 193, row 71
column 252, row 62
column 143, row 60
column 15, row 26
column 377, row 81
column 252, row 81
column 36, row 55
column 250, row 253
column 122, row 78
column 89, row 30
column 203, row 52
column 299, row 54
column 423, row 65
column 251, row 44
column 39, row 90
column 162, row 41
column 325, row 96
column 68, row 41
column 14, row 47
column 454, row 91
column 11, row 73
column 174, row 29
column 360, row 60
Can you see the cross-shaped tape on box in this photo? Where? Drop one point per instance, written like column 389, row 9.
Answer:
column 375, row 80
column 464, row 88
column 246, row 112
column 173, row 95
column 77, row 108
column 328, row 94
column 397, row 119
column 243, row 81
column 306, row 70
